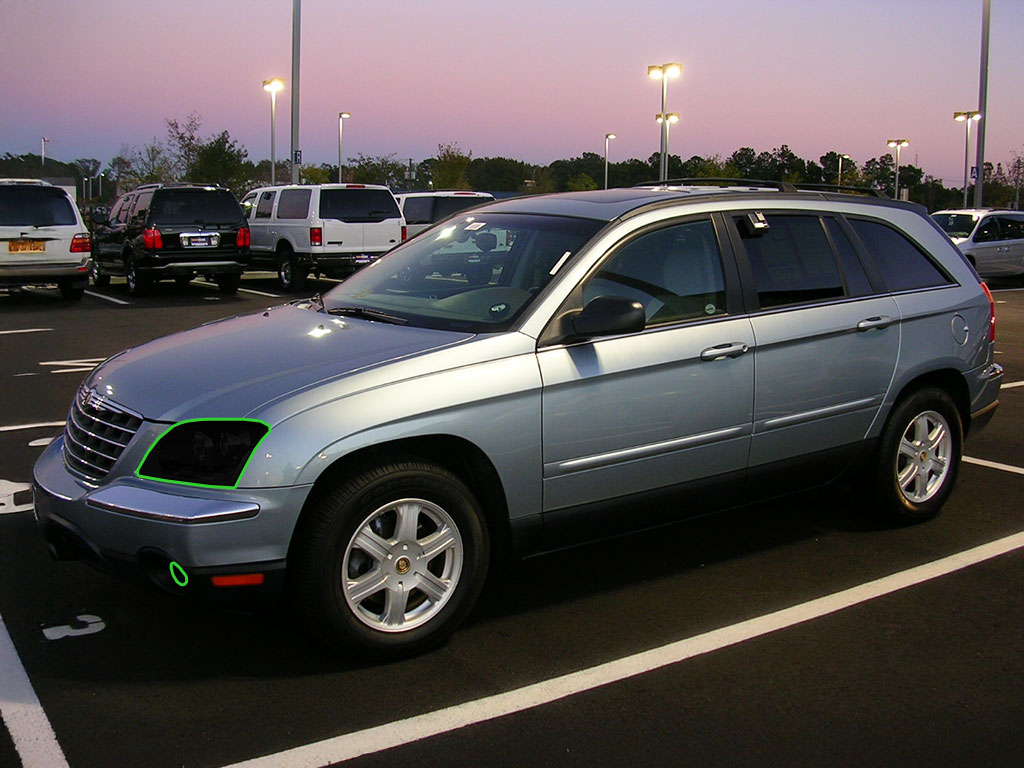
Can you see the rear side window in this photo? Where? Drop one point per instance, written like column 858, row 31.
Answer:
column 792, row 262
column 1011, row 229
column 265, row 205
column 196, row 206
column 35, row 206
column 358, row 205
column 294, row 204
column 857, row 283
column 903, row 266
column 446, row 206
column 418, row 210
column 142, row 203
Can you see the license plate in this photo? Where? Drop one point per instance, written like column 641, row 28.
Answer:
column 26, row 246
column 200, row 241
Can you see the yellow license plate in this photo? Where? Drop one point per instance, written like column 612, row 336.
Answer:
column 26, row 246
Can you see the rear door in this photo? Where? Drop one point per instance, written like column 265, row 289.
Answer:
column 987, row 248
column 260, row 221
column 1011, row 230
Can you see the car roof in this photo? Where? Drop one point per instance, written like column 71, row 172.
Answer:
column 445, row 193
column 33, row 182
column 978, row 211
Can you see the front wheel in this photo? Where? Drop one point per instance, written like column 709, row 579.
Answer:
column 99, row 278
column 390, row 562
column 918, row 457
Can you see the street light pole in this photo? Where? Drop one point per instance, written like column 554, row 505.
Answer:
column 898, row 144
column 607, row 138
column 42, row 154
column 842, row 157
column 296, row 156
column 663, row 73
column 273, row 85
column 966, row 117
column 666, row 120
column 342, row 117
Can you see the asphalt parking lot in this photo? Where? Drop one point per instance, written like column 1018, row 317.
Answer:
column 796, row 633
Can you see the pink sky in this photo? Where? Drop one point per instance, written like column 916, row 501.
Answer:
column 535, row 80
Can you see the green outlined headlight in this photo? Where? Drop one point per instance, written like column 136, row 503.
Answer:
column 211, row 453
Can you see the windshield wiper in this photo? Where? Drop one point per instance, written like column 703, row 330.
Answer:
column 367, row 314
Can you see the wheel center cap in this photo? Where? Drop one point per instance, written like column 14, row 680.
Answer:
column 402, row 565
column 924, row 455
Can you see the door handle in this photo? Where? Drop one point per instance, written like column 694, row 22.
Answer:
column 722, row 351
column 874, row 322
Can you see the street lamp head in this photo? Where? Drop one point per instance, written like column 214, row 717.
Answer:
column 610, row 136
column 845, row 156
column 658, row 71
column 344, row 115
column 671, row 117
column 901, row 143
column 968, row 114
column 654, row 72
column 273, row 85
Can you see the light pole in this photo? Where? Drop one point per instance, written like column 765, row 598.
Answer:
column 665, row 120
column 273, row 85
column 607, row 137
column 967, row 117
column 663, row 72
column 342, row 117
column 898, row 144
column 842, row 157
column 99, row 181
column 42, row 154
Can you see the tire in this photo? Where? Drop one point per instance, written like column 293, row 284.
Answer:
column 290, row 274
column 918, row 457
column 138, row 285
column 70, row 291
column 352, row 560
column 99, row 279
column 228, row 283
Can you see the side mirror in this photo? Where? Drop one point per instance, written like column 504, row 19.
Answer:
column 608, row 316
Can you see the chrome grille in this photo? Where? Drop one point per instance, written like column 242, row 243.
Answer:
column 96, row 434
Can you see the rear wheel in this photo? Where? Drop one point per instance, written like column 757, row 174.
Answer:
column 291, row 275
column 918, row 457
column 228, row 283
column 71, row 291
column 390, row 562
column 138, row 285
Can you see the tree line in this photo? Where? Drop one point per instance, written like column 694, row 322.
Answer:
column 184, row 155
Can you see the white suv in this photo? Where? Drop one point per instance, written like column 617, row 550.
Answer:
column 992, row 240
column 326, row 229
column 423, row 209
column 42, row 238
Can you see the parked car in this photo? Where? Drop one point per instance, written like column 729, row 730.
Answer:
column 326, row 229
column 43, row 239
column 171, row 231
column 633, row 357
column 422, row 209
column 991, row 239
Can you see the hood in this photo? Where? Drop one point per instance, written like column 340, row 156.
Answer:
column 229, row 368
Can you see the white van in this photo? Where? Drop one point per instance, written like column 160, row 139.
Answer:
column 422, row 209
column 992, row 240
column 326, row 229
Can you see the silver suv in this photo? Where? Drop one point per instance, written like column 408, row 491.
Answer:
column 530, row 373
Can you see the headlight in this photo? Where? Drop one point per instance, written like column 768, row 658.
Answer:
column 211, row 453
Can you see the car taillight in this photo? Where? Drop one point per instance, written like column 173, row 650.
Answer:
column 405, row 233
column 316, row 236
column 81, row 244
column 244, row 237
column 152, row 239
column 991, row 313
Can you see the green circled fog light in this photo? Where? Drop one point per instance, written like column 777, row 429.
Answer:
column 210, row 453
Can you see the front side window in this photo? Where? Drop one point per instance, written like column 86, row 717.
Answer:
column 476, row 275
column 675, row 273
column 902, row 264
column 294, row 204
column 265, row 205
column 792, row 261
column 988, row 231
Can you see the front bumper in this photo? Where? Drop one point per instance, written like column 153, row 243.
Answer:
column 136, row 529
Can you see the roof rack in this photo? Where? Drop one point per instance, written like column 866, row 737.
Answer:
column 782, row 186
column 843, row 188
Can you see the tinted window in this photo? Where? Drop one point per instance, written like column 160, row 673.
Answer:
column 956, row 224
column 294, row 204
column 126, row 205
column 446, row 206
column 902, row 264
column 142, row 203
column 792, row 262
column 265, row 205
column 358, row 205
column 676, row 273
column 196, row 206
column 988, row 231
column 247, row 204
column 418, row 210
column 857, row 283
column 36, row 206
column 1011, row 229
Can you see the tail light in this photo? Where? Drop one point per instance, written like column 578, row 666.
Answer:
column 405, row 233
column 81, row 244
column 152, row 239
column 244, row 237
column 991, row 313
column 316, row 236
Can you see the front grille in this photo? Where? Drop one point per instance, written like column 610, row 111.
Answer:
column 96, row 434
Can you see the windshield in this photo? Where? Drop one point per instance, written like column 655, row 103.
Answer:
column 475, row 275
column 34, row 206
column 196, row 206
column 956, row 224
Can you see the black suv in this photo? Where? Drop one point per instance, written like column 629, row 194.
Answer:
column 160, row 231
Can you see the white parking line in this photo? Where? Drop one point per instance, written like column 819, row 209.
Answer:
column 107, row 298
column 1013, row 385
column 395, row 734
column 994, row 465
column 38, row 425
column 30, row 729
column 25, row 330
column 240, row 290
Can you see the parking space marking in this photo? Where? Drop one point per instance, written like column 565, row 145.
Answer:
column 240, row 290
column 39, row 425
column 994, row 465
column 1013, row 385
column 30, row 729
column 108, row 298
column 389, row 735
column 25, row 330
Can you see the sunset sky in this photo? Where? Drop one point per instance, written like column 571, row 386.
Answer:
column 534, row 80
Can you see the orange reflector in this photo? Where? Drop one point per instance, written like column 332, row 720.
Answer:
column 238, row 580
